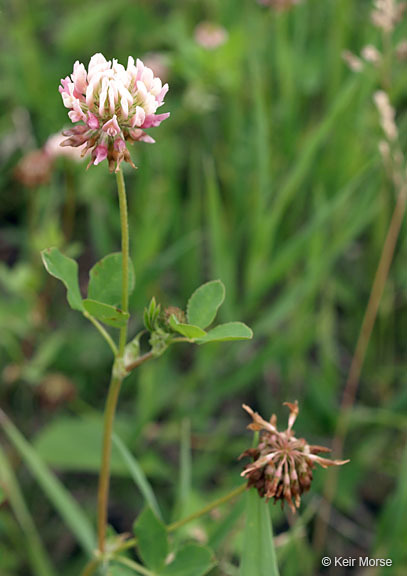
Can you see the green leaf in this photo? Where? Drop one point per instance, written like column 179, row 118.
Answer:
column 392, row 528
column 66, row 270
column 107, row 314
column 105, row 279
column 204, row 303
column 192, row 560
column 152, row 540
column 188, row 330
column 151, row 315
column 75, row 445
column 64, row 503
column 117, row 570
column 2, row 496
column 258, row 556
column 138, row 475
column 227, row 332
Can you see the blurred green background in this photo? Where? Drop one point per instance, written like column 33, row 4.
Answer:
column 267, row 175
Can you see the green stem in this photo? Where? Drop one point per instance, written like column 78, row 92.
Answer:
column 125, row 255
column 90, row 568
column 134, row 566
column 139, row 361
column 103, row 332
column 116, row 379
column 215, row 504
column 104, row 477
column 175, row 525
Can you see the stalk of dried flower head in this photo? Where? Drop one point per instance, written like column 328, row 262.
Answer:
column 401, row 50
column 282, row 464
column 387, row 115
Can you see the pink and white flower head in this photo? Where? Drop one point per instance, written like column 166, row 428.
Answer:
column 279, row 4
column 210, row 36
column 113, row 105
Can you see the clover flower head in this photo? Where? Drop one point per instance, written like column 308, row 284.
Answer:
column 279, row 4
column 113, row 105
column 282, row 464
column 210, row 35
column 54, row 149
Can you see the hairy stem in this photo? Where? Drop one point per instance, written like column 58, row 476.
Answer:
column 135, row 566
column 125, row 255
column 104, row 476
column 103, row 332
column 116, row 379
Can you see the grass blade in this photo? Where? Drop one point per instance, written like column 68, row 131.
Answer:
column 138, row 476
column 258, row 556
column 64, row 503
column 41, row 565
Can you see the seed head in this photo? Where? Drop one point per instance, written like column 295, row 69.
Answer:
column 282, row 464
column 387, row 13
column 353, row 62
column 113, row 105
column 371, row 54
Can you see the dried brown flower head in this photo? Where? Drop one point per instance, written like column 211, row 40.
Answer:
column 173, row 311
column 34, row 169
column 56, row 390
column 282, row 464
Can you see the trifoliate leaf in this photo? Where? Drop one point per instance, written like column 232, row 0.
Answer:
column 66, row 270
column 204, row 303
column 105, row 279
column 107, row 314
column 227, row 332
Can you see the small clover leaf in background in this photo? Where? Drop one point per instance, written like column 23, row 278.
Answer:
column 66, row 270
column 227, row 332
column 204, row 303
column 105, row 279
column 152, row 539
column 152, row 545
column 107, row 314
column 192, row 560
